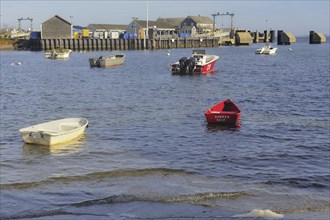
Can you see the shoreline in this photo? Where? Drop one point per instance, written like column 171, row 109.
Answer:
column 6, row 47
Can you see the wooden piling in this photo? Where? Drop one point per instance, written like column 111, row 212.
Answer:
column 90, row 44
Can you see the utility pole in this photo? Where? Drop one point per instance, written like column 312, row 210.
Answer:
column 147, row 32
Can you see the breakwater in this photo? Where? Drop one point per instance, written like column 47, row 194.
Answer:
column 121, row 44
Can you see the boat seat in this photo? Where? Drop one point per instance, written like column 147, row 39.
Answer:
column 68, row 126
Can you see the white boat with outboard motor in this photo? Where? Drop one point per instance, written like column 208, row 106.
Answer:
column 198, row 63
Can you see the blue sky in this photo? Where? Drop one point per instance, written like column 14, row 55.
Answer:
column 298, row 17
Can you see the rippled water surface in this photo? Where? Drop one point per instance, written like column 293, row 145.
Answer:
column 148, row 152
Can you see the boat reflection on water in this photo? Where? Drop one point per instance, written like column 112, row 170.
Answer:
column 63, row 149
column 220, row 127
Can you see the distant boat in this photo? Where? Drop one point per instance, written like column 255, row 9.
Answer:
column 267, row 49
column 16, row 64
column 54, row 132
column 58, row 53
column 107, row 61
column 198, row 63
column 225, row 113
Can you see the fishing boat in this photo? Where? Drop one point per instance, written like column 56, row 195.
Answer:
column 107, row 61
column 58, row 53
column 198, row 63
column 54, row 132
column 225, row 113
column 267, row 49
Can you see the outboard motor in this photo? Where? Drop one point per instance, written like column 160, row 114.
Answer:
column 191, row 64
column 183, row 64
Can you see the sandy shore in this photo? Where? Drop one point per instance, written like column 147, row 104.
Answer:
column 6, row 47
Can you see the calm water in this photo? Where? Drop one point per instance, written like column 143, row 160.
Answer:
column 148, row 153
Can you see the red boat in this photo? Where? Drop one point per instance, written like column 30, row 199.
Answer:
column 225, row 113
column 198, row 63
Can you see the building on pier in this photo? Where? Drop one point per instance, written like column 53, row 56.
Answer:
column 316, row 38
column 56, row 28
column 285, row 38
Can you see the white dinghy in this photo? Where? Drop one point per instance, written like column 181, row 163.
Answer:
column 54, row 132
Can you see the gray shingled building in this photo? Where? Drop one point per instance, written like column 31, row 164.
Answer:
column 56, row 28
column 203, row 24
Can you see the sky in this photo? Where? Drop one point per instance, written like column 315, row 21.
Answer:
column 295, row 16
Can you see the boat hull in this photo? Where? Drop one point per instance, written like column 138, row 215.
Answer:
column 58, row 54
column 267, row 50
column 107, row 61
column 207, row 68
column 224, row 113
column 198, row 69
column 54, row 132
column 225, row 118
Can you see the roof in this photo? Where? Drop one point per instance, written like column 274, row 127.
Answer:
column 158, row 24
column 202, row 19
column 56, row 16
column 291, row 37
column 108, row 26
column 321, row 36
column 244, row 36
column 172, row 21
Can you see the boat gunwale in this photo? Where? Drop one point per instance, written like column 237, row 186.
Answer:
column 30, row 129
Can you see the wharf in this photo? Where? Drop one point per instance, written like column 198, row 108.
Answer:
column 90, row 44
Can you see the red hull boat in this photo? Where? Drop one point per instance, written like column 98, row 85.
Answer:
column 225, row 113
column 198, row 63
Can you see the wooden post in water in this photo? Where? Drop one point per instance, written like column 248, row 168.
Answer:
column 311, row 33
column 91, row 44
column 279, row 37
column 256, row 37
column 111, row 44
column 79, row 44
column 84, row 44
column 272, row 36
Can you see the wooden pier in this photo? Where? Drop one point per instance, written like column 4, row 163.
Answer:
column 91, row 44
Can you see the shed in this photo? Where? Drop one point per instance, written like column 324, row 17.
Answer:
column 56, row 28
column 285, row 38
column 243, row 38
column 316, row 38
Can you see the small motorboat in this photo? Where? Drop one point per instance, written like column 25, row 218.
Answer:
column 198, row 63
column 58, row 53
column 54, row 132
column 225, row 113
column 107, row 61
column 267, row 49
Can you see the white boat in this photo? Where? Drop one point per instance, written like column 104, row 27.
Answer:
column 107, row 61
column 54, row 132
column 58, row 53
column 198, row 63
column 267, row 49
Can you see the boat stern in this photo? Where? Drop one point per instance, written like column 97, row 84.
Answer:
column 220, row 117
